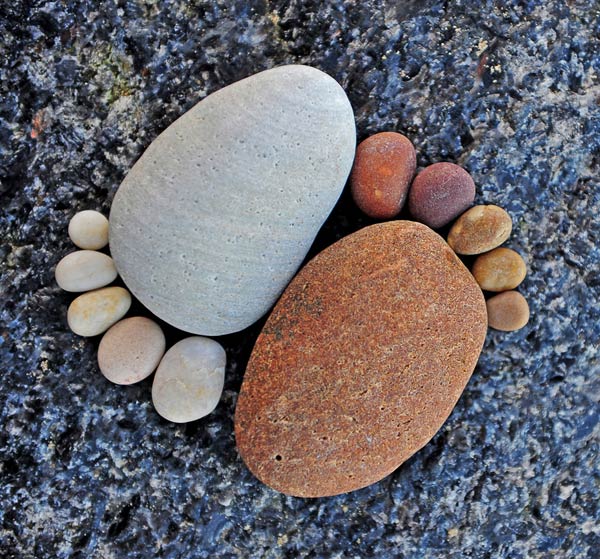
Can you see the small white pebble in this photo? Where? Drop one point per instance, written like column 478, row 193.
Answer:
column 96, row 311
column 84, row 270
column 89, row 230
column 189, row 380
column 131, row 350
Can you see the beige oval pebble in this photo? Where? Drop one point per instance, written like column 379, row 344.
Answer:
column 84, row 270
column 189, row 380
column 89, row 229
column 499, row 270
column 131, row 350
column 507, row 311
column 95, row 312
column 480, row 229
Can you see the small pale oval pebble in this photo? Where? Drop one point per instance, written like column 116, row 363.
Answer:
column 480, row 229
column 189, row 380
column 499, row 270
column 385, row 164
column 507, row 311
column 84, row 270
column 440, row 193
column 89, row 230
column 131, row 350
column 95, row 312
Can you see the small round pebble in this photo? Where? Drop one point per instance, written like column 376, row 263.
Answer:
column 385, row 164
column 89, row 230
column 499, row 270
column 131, row 350
column 507, row 311
column 84, row 270
column 96, row 311
column 440, row 193
column 480, row 229
column 189, row 380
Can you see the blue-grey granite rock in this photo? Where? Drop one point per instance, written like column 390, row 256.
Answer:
column 508, row 89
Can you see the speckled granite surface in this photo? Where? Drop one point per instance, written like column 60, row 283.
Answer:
column 508, row 89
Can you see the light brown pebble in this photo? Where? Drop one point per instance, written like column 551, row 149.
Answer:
column 96, row 311
column 480, row 229
column 499, row 270
column 89, row 230
column 131, row 350
column 189, row 379
column 84, row 270
column 507, row 311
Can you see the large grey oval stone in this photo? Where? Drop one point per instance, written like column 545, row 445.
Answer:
column 217, row 215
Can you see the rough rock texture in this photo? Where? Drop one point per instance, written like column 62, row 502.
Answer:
column 214, row 219
column 361, row 361
column 507, row 89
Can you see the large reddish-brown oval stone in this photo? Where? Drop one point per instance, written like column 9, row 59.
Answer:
column 361, row 361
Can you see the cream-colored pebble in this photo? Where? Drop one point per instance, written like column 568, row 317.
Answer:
column 189, row 380
column 96, row 311
column 131, row 350
column 84, row 270
column 89, row 230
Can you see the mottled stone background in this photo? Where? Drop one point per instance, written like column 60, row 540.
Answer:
column 508, row 89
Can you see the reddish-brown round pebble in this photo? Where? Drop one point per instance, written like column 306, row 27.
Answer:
column 385, row 164
column 499, row 270
column 440, row 193
column 507, row 311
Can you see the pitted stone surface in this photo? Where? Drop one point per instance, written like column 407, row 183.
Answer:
column 213, row 220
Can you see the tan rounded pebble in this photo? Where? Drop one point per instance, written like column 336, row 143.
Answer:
column 507, row 311
column 499, row 270
column 89, row 229
column 95, row 312
column 84, row 270
column 131, row 350
column 480, row 229
column 189, row 380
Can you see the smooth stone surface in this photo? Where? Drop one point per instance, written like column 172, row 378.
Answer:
column 480, row 229
column 507, row 311
column 439, row 193
column 189, row 380
column 89, row 230
column 361, row 361
column 84, row 270
column 131, row 350
column 96, row 311
column 231, row 196
column 499, row 270
column 385, row 164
